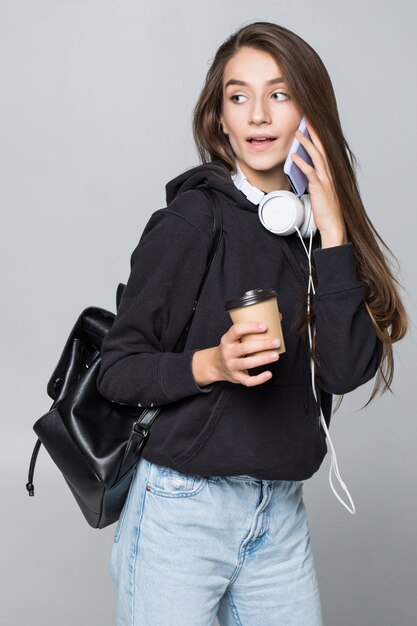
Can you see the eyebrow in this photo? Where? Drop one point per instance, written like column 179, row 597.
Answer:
column 233, row 81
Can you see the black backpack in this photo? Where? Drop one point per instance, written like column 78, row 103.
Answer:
column 95, row 442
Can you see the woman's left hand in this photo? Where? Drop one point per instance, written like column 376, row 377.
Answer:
column 325, row 205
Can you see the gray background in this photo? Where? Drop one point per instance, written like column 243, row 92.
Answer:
column 95, row 118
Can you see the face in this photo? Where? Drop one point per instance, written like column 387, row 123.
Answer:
column 259, row 106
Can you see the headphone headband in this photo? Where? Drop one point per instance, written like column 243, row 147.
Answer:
column 280, row 211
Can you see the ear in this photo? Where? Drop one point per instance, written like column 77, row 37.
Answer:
column 223, row 125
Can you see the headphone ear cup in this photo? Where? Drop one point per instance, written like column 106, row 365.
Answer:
column 281, row 211
column 307, row 226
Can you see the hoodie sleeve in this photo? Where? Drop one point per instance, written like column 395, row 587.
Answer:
column 167, row 267
column 348, row 348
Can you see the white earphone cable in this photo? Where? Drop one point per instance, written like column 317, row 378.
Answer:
column 333, row 464
column 256, row 196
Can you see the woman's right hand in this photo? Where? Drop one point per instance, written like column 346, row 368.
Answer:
column 231, row 360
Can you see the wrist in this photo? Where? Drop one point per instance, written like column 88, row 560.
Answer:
column 204, row 366
column 333, row 238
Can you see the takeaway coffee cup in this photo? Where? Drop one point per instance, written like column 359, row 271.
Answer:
column 258, row 305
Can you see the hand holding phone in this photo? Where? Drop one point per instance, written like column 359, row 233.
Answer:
column 297, row 179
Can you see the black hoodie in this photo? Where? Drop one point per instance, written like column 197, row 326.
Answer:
column 271, row 430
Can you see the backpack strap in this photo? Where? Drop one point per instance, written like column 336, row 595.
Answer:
column 140, row 428
column 217, row 233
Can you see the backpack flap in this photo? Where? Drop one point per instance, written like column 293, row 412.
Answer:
column 82, row 343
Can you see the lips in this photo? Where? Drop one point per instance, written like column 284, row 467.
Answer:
column 260, row 145
column 260, row 139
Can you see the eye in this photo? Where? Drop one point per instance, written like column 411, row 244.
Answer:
column 238, row 95
column 282, row 93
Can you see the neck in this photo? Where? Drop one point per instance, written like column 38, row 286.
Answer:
column 267, row 180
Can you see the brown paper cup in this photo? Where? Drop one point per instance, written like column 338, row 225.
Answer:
column 266, row 310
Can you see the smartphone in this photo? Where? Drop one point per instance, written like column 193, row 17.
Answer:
column 297, row 179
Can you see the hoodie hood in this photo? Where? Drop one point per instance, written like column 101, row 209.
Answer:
column 217, row 175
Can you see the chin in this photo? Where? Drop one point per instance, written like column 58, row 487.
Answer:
column 265, row 166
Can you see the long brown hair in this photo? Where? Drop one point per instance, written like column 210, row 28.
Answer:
column 311, row 88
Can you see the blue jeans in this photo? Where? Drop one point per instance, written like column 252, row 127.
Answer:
column 187, row 548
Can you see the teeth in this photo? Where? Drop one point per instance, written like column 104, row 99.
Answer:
column 259, row 139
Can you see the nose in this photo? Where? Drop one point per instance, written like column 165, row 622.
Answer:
column 259, row 112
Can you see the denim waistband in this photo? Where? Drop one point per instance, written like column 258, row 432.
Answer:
column 245, row 477
column 249, row 478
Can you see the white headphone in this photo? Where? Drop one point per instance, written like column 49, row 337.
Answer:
column 281, row 211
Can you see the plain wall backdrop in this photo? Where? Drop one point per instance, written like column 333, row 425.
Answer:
column 96, row 106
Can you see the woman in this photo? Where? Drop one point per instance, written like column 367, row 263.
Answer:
column 215, row 522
